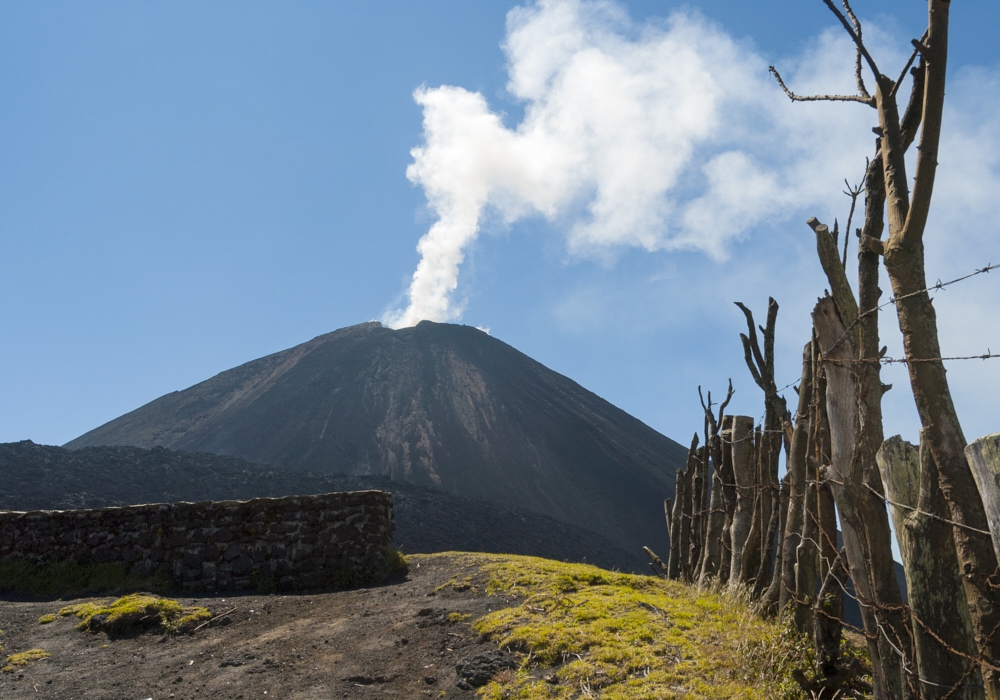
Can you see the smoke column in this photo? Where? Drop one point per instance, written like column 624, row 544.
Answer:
column 666, row 136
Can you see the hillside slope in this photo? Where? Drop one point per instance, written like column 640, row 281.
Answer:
column 445, row 631
column 41, row 477
column 438, row 405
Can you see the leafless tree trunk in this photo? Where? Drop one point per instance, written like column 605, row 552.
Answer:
column 769, row 602
column 941, row 623
column 807, row 556
column 796, row 483
column 829, row 609
column 903, row 255
column 777, row 422
column 674, row 556
column 687, row 514
column 715, row 520
column 752, row 546
column 744, row 472
column 827, row 628
column 864, row 521
column 729, row 493
column 699, row 492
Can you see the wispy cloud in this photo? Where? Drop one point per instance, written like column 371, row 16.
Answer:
column 663, row 136
column 671, row 136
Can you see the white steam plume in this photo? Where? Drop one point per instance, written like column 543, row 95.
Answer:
column 662, row 137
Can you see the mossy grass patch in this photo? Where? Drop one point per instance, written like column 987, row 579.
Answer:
column 394, row 559
column 134, row 613
column 22, row 659
column 71, row 579
column 581, row 631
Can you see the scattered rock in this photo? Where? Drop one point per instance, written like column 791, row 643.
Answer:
column 476, row 671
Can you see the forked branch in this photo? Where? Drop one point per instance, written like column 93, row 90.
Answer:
column 862, row 90
column 853, row 28
column 863, row 99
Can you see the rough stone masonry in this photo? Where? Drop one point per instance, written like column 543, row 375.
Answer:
column 298, row 542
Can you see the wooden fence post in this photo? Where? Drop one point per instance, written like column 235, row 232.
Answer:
column 984, row 458
column 745, row 477
column 863, row 519
column 796, row 482
column 937, row 598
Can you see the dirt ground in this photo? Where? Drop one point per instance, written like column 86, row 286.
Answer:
column 389, row 641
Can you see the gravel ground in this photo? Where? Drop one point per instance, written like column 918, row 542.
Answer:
column 397, row 640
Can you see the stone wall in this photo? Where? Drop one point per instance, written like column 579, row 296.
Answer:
column 293, row 543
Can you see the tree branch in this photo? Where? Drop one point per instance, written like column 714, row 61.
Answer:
column 856, row 36
column 902, row 73
column 853, row 192
column 862, row 90
column 829, row 258
column 748, row 356
column 751, row 343
column 914, row 111
column 936, row 60
column 768, row 368
column 863, row 99
column 729, row 396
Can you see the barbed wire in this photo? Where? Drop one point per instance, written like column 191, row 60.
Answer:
column 988, row 355
column 882, row 615
column 939, row 285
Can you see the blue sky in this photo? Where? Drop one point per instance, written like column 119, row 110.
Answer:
column 185, row 187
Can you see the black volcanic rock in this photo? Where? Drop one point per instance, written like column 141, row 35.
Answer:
column 42, row 477
column 439, row 405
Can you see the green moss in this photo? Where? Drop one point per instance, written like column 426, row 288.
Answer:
column 394, row 559
column 25, row 658
column 458, row 617
column 69, row 578
column 135, row 612
column 46, row 619
column 581, row 632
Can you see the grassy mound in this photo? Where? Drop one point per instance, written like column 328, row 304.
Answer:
column 25, row 658
column 136, row 613
column 586, row 632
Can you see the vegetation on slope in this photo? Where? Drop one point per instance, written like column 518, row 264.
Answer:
column 583, row 631
column 24, row 658
column 136, row 612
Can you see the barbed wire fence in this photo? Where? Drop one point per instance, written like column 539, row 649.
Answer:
column 976, row 662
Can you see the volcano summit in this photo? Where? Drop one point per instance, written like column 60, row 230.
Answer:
column 438, row 405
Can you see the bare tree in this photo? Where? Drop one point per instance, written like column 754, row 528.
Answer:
column 776, row 431
column 903, row 256
column 796, row 493
column 713, row 549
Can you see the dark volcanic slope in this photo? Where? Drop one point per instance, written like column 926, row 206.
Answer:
column 40, row 477
column 439, row 405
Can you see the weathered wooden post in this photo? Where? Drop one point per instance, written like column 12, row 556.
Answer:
column 744, row 474
column 728, row 478
column 714, row 504
column 807, row 556
column 829, row 609
column 674, row 556
column 863, row 519
column 699, row 489
column 827, row 625
column 796, row 483
column 941, row 621
column 984, row 458
column 769, row 601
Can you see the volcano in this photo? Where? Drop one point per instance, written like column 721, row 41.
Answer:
column 437, row 405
